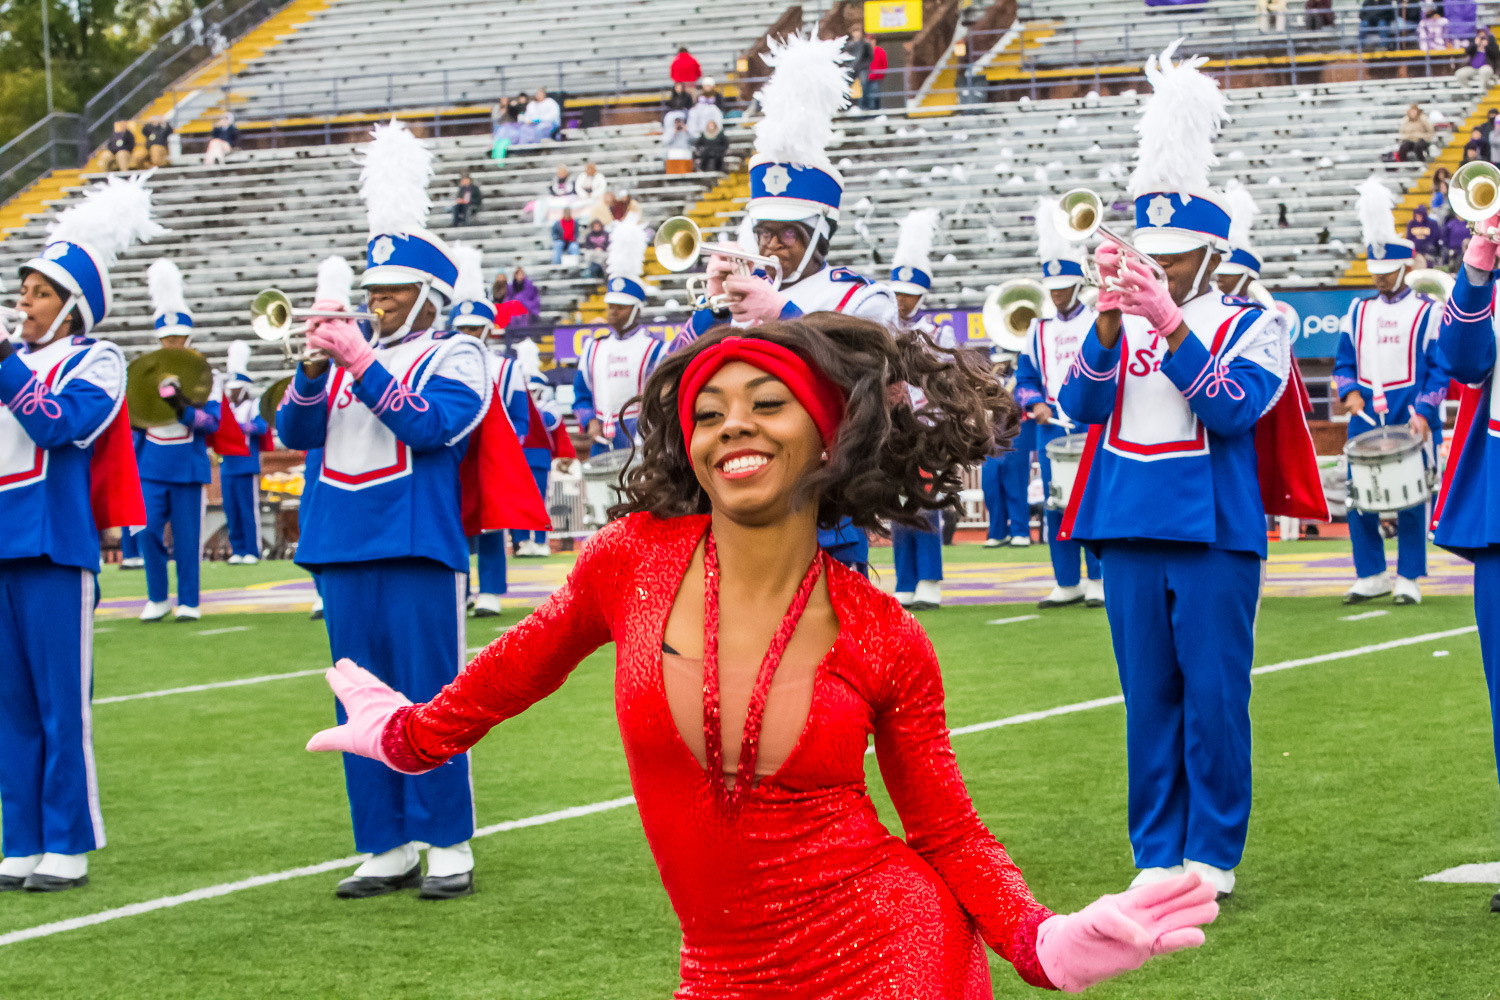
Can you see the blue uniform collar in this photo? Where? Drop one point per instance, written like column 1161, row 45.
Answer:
column 1071, row 313
column 1401, row 293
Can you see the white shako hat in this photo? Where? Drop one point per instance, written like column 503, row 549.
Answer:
column 169, row 309
column 472, row 307
column 1386, row 250
column 625, row 265
column 1062, row 260
column 911, row 267
column 1242, row 212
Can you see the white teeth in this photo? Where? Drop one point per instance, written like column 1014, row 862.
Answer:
column 744, row 463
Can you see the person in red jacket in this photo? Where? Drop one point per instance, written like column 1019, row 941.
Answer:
column 869, row 97
column 685, row 68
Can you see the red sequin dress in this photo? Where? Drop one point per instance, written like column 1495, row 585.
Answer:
column 801, row 891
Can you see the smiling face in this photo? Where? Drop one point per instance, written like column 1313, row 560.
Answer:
column 41, row 303
column 396, row 301
column 752, row 443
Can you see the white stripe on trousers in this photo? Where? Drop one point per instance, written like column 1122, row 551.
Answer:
column 86, row 698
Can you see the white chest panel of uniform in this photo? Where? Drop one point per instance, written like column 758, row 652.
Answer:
column 819, row 292
column 505, row 376
column 22, row 460
column 1057, row 345
column 361, row 451
column 616, row 374
column 1386, row 343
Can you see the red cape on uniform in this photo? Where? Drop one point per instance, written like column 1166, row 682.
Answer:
column 498, row 491
column 229, row 439
column 1470, row 397
column 114, row 480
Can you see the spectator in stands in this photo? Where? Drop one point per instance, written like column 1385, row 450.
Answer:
column 1416, row 135
column 521, row 297
column 1281, row 219
column 1439, row 198
column 685, row 68
column 564, row 237
column 1319, row 14
column 544, row 113
column 710, row 147
column 1455, row 241
column 869, row 98
column 1270, row 15
column 1408, row 17
column 681, row 98
column 860, row 55
column 120, row 146
column 1478, row 147
column 595, row 247
column 590, row 186
column 224, row 140
column 624, row 207
column 678, row 142
column 708, row 90
column 1424, row 235
column 467, row 202
column 705, row 111
column 1481, row 56
column 1376, row 20
column 1432, row 29
column 562, row 185
column 157, row 131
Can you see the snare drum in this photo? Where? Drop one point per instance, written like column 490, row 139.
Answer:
column 601, row 478
column 1064, row 454
column 1387, row 470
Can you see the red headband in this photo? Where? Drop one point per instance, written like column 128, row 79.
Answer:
column 818, row 394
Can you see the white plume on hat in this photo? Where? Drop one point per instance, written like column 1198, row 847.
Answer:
column 808, row 86
column 111, row 217
column 470, row 284
column 1377, row 221
column 1240, row 204
column 627, row 251
column 914, row 240
column 164, row 283
column 1050, row 244
column 1178, row 125
column 335, row 280
column 396, row 169
column 238, row 362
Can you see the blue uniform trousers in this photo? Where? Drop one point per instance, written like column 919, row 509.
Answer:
column 242, row 512
column 402, row 620
column 181, row 505
column 49, row 790
column 130, row 544
column 540, row 474
column 848, row 544
column 918, row 552
column 1004, row 479
column 491, row 548
column 1182, row 618
column 1411, row 543
column 1065, row 554
column 1487, row 616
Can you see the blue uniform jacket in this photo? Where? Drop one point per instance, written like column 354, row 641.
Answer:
column 1469, row 520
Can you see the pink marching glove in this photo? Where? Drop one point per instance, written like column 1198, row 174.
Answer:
column 1141, row 294
column 340, row 339
column 716, row 271
column 1482, row 249
column 1107, row 260
column 1117, row 933
column 753, row 300
column 369, row 702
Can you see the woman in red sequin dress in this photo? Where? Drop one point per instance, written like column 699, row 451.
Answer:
column 752, row 669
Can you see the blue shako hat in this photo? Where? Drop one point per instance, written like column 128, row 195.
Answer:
column 1054, row 271
column 1242, row 212
column 393, row 179
column 170, row 313
column 472, row 306
column 1385, row 250
column 911, row 265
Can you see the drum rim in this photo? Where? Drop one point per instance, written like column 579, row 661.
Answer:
column 1414, row 445
column 1074, row 443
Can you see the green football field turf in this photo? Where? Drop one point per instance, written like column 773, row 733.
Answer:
column 1371, row 771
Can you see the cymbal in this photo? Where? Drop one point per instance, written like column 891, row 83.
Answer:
column 145, row 375
column 271, row 398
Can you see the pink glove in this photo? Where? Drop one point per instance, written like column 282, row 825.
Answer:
column 340, row 339
column 717, row 270
column 1107, row 260
column 1482, row 248
column 1117, row 933
column 369, row 702
column 753, row 300
column 1141, row 294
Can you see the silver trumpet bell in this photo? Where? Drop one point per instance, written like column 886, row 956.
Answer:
column 679, row 244
column 1430, row 281
column 1011, row 308
column 1080, row 215
column 1474, row 192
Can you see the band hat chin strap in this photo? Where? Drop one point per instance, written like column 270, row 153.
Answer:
column 62, row 314
column 635, row 314
column 819, row 230
column 411, row 317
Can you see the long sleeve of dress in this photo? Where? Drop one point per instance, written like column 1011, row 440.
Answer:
column 520, row 668
column 921, row 773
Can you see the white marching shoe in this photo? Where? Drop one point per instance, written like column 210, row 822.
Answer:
column 1222, row 879
column 1407, row 592
column 57, row 872
column 13, row 871
column 1020, row 541
column 187, row 613
column 249, row 560
column 905, row 597
column 393, row 870
column 1367, row 587
column 486, row 605
column 316, row 614
column 929, row 595
column 155, row 611
column 1150, row 876
column 450, row 872
column 1061, row 597
column 235, row 560
column 134, row 562
column 1093, row 593
column 995, row 543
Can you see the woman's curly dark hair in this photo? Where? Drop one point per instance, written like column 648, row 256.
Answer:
column 889, row 462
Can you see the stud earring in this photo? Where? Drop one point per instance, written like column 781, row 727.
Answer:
column 825, row 456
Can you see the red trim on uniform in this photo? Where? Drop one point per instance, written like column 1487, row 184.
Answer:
column 1080, row 480
column 847, row 296
column 1468, row 407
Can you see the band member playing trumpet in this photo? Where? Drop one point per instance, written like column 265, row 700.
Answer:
column 69, row 471
column 383, row 525
column 1051, row 346
column 1387, row 372
column 239, row 475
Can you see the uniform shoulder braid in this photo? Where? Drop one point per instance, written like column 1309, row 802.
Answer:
column 844, row 275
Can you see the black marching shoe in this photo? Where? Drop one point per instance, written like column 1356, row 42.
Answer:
column 37, row 882
column 1495, row 903
column 365, row 886
column 447, row 886
column 12, row 883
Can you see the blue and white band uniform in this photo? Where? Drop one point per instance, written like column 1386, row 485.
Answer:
column 56, row 399
column 1388, row 353
column 1051, row 346
column 916, row 552
column 612, row 370
column 175, row 473
column 383, row 528
column 539, row 460
column 829, row 289
column 1172, row 505
column 490, row 545
column 1469, row 523
column 239, row 481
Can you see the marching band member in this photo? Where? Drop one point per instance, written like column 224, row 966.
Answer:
column 1168, row 492
column 174, row 464
column 918, row 552
column 1005, row 479
column 69, row 472
column 335, row 285
column 1051, row 346
column 383, row 524
column 1387, row 372
column 474, row 314
column 130, row 541
column 239, row 475
column 547, row 441
column 1242, row 265
column 1465, row 518
column 612, row 370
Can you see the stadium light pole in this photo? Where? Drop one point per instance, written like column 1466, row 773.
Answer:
column 47, row 55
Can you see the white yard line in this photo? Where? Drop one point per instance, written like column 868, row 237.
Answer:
column 1362, row 616
column 574, row 812
column 1480, row 874
column 222, row 631
column 1012, row 621
column 192, row 688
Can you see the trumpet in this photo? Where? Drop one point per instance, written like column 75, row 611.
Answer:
column 679, row 244
column 1010, row 309
column 1474, row 192
column 271, row 316
column 1080, row 214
